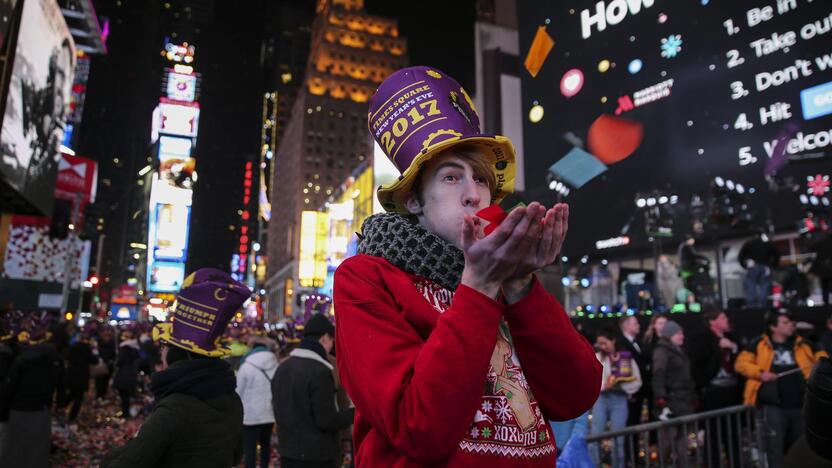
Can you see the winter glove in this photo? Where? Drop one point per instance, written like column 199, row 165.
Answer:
column 666, row 414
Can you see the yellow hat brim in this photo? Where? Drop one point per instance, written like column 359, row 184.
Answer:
column 392, row 195
column 164, row 332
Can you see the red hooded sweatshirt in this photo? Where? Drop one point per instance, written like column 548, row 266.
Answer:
column 455, row 378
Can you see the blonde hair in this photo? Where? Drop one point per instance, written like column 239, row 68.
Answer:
column 651, row 330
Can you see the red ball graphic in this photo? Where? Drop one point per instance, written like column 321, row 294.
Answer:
column 612, row 139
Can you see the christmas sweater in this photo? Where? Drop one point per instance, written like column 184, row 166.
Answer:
column 454, row 377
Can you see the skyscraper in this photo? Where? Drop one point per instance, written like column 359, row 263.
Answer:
column 351, row 53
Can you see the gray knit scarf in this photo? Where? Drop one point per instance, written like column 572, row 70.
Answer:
column 410, row 247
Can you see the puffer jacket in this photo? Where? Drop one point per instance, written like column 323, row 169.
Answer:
column 672, row 381
column 758, row 356
column 254, row 385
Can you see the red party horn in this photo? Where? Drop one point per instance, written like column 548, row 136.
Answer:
column 494, row 214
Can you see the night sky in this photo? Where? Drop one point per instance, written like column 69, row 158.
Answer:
column 231, row 103
column 125, row 84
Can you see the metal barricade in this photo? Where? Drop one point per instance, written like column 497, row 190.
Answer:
column 725, row 438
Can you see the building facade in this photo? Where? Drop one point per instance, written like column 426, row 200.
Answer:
column 351, row 53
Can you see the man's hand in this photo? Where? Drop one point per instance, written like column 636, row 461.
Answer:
column 554, row 224
column 550, row 235
column 492, row 260
column 767, row 376
column 725, row 343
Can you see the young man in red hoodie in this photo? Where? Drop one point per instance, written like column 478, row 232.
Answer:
column 448, row 345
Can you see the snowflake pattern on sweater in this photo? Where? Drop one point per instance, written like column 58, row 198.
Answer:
column 509, row 422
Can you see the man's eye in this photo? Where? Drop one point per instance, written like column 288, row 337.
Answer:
column 450, row 178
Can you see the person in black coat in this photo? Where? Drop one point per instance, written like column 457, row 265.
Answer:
column 713, row 354
column 79, row 359
column 197, row 416
column 674, row 392
column 303, row 397
column 26, row 402
column 127, row 371
column 107, row 353
column 822, row 266
column 629, row 341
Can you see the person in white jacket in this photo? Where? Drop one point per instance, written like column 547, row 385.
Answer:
column 620, row 379
column 254, row 385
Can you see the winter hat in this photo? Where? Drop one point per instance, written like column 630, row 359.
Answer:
column 318, row 325
column 670, row 328
column 208, row 300
column 418, row 112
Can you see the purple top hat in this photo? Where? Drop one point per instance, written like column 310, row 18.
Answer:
column 29, row 327
column 418, row 112
column 208, row 300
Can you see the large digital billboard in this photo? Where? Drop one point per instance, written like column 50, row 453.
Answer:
column 314, row 235
column 176, row 166
column 37, row 103
column 168, row 230
column 181, row 87
column 179, row 119
column 736, row 92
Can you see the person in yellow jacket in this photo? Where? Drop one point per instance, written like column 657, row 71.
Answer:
column 777, row 365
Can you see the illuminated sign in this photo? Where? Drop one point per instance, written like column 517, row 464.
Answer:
column 160, row 313
column 239, row 269
column 645, row 96
column 340, row 231
column 163, row 193
column 178, row 172
column 178, row 119
column 181, row 87
column 123, row 312
column 312, row 270
column 173, row 147
column 175, row 164
column 610, row 14
column 76, row 175
column 817, row 101
column 171, row 239
column 168, row 229
column 165, row 276
column 613, row 242
column 179, row 53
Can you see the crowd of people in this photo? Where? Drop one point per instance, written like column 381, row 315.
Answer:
column 666, row 373
column 66, row 389
column 450, row 351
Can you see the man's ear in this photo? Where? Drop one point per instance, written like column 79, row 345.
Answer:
column 411, row 202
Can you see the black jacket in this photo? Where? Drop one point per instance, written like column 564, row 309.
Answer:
column 197, row 420
column 303, row 396
column 79, row 360
column 763, row 253
column 107, row 351
column 690, row 260
column 127, row 368
column 822, row 264
column 672, row 381
column 642, row 359
column 706, row 357
column 31, row 379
